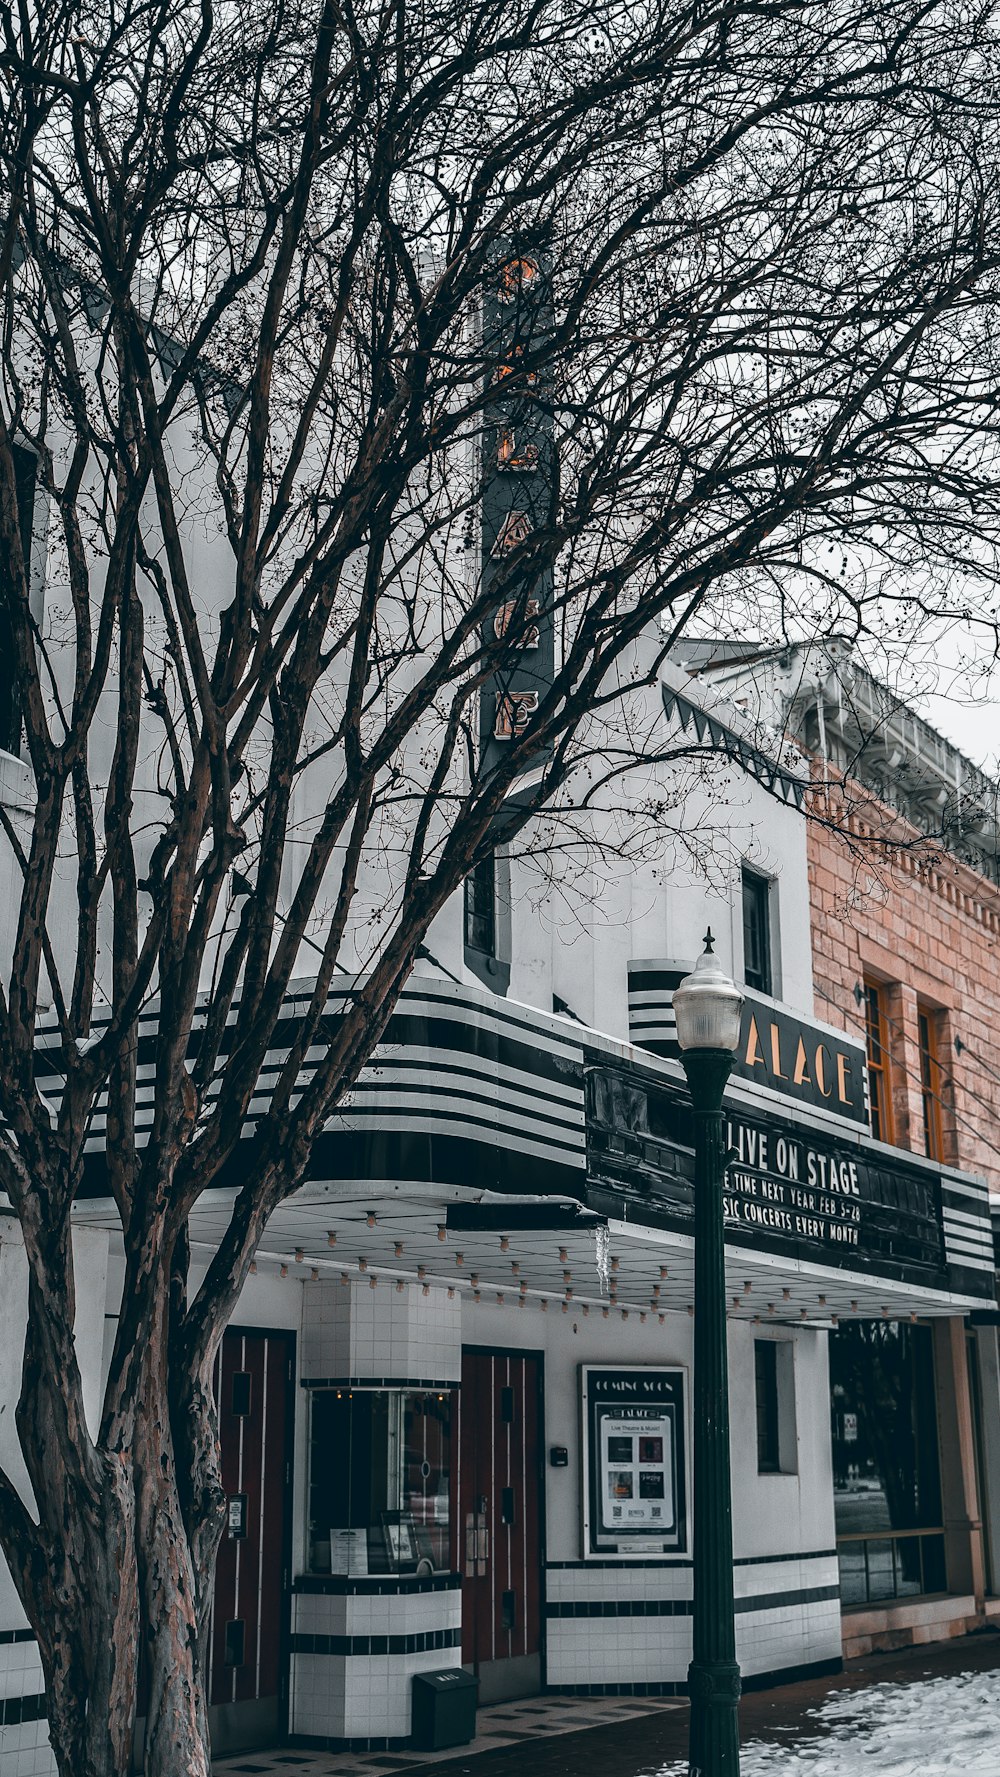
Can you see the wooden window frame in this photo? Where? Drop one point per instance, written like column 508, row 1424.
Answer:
column 930, row 1081
column 879, row 1053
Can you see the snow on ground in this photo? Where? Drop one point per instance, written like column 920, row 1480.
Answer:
column 933, row 1729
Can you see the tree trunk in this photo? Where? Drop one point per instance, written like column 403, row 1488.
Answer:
column 126, row 1546
column 175, row 1576
column 79, row 1584
column 84, row 1615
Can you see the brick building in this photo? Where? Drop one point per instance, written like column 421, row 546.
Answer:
column 905, row 923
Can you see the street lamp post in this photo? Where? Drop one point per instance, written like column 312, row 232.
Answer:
column 707, row 1005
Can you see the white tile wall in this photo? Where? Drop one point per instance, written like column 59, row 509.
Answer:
column 642, row 1650
column 25, row 1751
column 583, row 1584
column 316, row 1695
column 618, row 1650
column 354, row 1330
column 20, row 1670
column 407, row 1614
column 362, row 1697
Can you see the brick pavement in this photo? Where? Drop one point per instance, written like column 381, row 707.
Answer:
column 640, row 1747
column 629, row 1737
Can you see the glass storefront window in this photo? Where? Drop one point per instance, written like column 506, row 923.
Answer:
column 886, row 1476
column 379, row 1494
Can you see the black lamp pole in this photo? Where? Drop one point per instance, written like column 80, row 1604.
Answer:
column 713, row 1676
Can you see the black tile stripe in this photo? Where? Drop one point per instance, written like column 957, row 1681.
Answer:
column 666, row 1562
column 793, row 1555
column 476, row 1088
column 362, row 1382
column 540, row 1134
column 758, row 1681
column 661, row 1561
column 375, row 1585
column 963, row 1228
column 978, row 1206
column 335, row 1743
column 783, row 1600
column 484, row 1033
column 7, row 1636
column 682, row 1607
column 424, row 1641
column 655, row 980
column 15, row 1710
column 621, row 1607
column 663, row 1688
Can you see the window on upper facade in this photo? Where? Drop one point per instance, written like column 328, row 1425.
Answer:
column 879, row 1060
column 930, row 1082
column 481, row 907
column 757, row 971
column 765, row 1369
column 774, row 1399
column 10, row 706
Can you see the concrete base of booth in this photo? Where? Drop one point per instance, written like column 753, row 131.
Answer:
column 875, row 1629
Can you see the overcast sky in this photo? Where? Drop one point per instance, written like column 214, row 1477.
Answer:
column 951, row 679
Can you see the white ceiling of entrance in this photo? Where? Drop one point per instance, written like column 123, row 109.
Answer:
column 329, row 1232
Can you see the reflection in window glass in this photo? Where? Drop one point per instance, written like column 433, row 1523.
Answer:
column 886, row 1477
column 379, row 1481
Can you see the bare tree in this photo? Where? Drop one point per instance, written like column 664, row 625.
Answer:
column 272, row 318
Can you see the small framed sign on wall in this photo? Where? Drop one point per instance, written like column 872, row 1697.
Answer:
column 635, row 1496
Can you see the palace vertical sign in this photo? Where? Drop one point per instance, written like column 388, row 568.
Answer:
column 517, row 486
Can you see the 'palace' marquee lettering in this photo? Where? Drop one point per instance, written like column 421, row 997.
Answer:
column 789, row 1056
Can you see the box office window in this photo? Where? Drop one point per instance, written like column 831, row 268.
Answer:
column 379, row 1466
column 757, row 970
column 886, row 1474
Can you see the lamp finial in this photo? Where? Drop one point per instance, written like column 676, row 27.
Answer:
column 709, row 943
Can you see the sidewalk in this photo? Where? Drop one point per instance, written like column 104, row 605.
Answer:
column 552, row 1736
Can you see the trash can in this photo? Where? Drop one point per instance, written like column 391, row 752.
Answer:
column 444, row 1709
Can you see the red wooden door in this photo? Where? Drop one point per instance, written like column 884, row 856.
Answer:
column 498, row 1518
column 254, row 1380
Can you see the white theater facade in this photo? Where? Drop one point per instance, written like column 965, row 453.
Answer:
column 455, row 1398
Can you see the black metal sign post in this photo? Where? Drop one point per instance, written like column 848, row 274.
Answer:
column 713, row 1676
